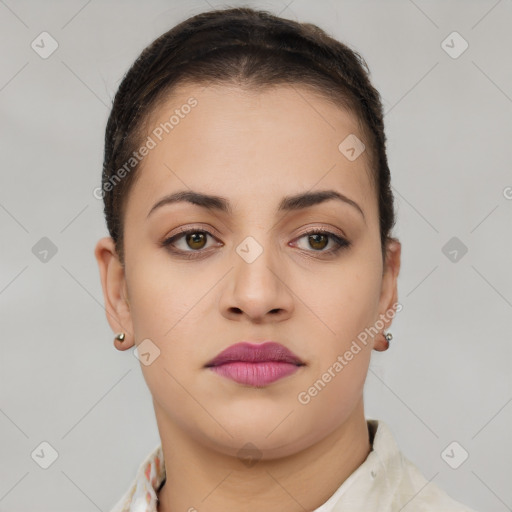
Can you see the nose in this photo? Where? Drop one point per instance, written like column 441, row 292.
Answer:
column 258, row 286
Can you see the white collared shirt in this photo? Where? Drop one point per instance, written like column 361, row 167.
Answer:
column 385, row 482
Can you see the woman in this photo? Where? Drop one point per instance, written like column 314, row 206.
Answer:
column 251, row 266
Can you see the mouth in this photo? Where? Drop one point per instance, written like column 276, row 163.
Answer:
column 255, row 364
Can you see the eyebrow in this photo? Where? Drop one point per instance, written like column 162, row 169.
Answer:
column 288, row 203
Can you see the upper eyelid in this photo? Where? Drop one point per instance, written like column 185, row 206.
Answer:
column 193, row 229
column 207, row 230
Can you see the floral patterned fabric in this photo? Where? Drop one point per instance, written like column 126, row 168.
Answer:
column 143, row 493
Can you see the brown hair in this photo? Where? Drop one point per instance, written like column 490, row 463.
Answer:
column 250, row 49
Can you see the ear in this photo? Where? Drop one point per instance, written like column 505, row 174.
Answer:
column 115, row 293
column 389, row 289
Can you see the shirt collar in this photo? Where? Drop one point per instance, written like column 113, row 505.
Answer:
column 142, row 496
column 377, row 477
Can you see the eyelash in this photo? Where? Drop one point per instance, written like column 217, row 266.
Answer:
column 341, row 243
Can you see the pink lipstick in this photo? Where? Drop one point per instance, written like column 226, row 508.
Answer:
column 255, row 364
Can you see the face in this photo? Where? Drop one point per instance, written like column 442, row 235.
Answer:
column 306, row 274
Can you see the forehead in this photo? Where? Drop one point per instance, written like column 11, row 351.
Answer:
column 245, row 143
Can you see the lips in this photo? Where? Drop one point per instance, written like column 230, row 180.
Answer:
column 256, row 353
column 257, row 364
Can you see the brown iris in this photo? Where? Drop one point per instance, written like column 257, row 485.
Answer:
column 196, row 238
column 314, row 239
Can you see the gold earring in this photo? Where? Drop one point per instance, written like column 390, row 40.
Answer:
column 120, row 336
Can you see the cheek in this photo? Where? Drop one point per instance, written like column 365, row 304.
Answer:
column 345, row 302
column 338, row 385
column 348, row 307
column 169, row 307
column 163, row 297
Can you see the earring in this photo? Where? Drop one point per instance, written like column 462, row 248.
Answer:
column 120, row 336
column 388, row 337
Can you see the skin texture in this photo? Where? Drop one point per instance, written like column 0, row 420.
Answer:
column 253, row 149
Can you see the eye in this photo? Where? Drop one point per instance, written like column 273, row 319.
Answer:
column 319, row 239
column 191, row 240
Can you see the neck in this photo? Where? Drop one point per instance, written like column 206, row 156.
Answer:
column 203, row 479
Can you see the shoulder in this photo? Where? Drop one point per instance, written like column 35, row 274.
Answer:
column 412, row 491
column 416, row 493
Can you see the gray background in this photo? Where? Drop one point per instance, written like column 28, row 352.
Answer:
column 447, row 374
